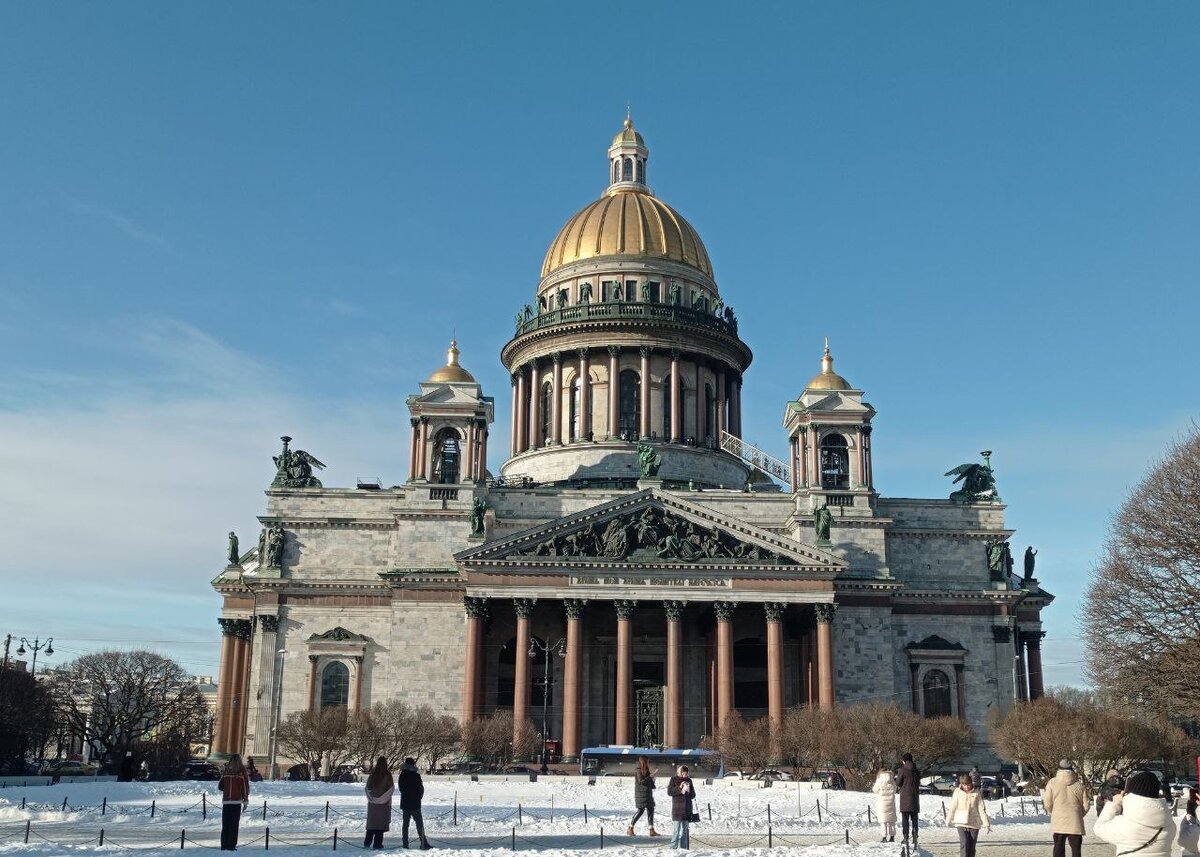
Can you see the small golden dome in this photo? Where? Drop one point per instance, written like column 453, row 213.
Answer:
column 628, row 134
column 627, row 223
column 828, row 379
column 452, row 373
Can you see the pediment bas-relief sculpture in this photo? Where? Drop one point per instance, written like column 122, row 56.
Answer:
column 338, row 635
column 651, row 535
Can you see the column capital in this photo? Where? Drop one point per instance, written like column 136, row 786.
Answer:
column 574, row 607
column 228, row 627
column 824, row 612
column 1033, row 639
column 674, row 610
column 724, row 610
column 774, row 610
column 614, row 351
column 414, row 422
column 523, row 607
column 477, row 608
column 676, row 354
column 556, row 358
column 312, row 659
column 516, row 377
column 802, row 429
column 866, row 429
column 624, row 608
column 269, row 624
column 583, row 353
column 243, row 628
column 645, row 351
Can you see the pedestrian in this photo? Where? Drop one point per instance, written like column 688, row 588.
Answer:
column 379, row 790
column 144, row 771
column 1192, row 801
column 411, row 792
column 326, row 766
column 1189, row 828
column 251, row 771
column 885, row 792
column 1066, row 801
column 1113, row 784
column 967, row 813
column 908, row 785
column 234, row 787
column 683, row 797
column 314, row 770
column 126, row 771
column 643, row 796
column 976, row 779
column 1137, row 819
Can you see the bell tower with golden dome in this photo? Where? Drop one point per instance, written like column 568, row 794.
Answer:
column 627, row 342
column 450, row 419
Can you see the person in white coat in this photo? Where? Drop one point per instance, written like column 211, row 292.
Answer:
column 885, row 804
column 968, row 813
column 1137, row 820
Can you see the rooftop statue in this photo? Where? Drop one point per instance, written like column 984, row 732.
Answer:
column 822, row 523
column 978, row 482
column 1030, row 561
column 478, row 507
column 234, row 556
column 294, row 468
column 648, row 460
column 999, row 560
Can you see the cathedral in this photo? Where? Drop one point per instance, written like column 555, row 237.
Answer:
column 660, row 572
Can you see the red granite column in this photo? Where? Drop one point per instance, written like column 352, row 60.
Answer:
column 423, row 449
column 803, row 456
column 477, row 610
column 792, row 444
column 724, row 611
column 774, row 614
column 413, row 470
column 673, row 738
column 522, row 411
column 644, row 389
column 720, row 396
column 556, row 401
column 572, row 680
column 676, row 404
column 1034, row 655
column 514, row 431
column 523, row 607
column 241, row 666
column 699, row 406
column 825, row 691
column 224, row 713
column 614, row 391
column 867, row 456
column 585, row 395
column 535, row 407
column 624, row 610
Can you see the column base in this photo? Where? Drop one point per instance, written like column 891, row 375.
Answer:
column 568, row 760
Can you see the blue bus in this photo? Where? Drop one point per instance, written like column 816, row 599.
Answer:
column 618, row 761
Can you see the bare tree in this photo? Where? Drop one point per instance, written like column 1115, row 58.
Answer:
column 307, row 736
column 438, row 735
column 743, row 744
column 1142, row 613
column 114, row 700
column 28, row 715
column 862, row 739
column 802, row 738
column 492, row 739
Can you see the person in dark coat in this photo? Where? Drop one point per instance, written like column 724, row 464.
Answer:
column 234, row 787
column 908, row 784
column 379, row 789
column 411, row 792
column 683, row 796
column 125, row 774
column 1112, row 786
column 643, row 796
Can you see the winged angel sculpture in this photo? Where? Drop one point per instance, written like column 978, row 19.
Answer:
column 294, row 468
column 978, row 482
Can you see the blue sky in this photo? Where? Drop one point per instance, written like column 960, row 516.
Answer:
column 223, row 222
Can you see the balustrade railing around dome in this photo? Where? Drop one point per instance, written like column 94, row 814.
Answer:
column 725, row 323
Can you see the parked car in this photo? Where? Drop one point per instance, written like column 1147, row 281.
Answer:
column 829, row 779
column 63, row 768
column 772, row 774
column 199, row 769
column 517, row 769
column 937, row 784
column 994, row 788
column 19, row 769
column 1180, row 786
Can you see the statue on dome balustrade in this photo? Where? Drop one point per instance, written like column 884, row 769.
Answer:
column 646, row 292
column 585, row 293
column 674, row 297
column 561, row 299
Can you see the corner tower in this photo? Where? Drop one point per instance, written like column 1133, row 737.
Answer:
column 627, row 341
column 450, row 419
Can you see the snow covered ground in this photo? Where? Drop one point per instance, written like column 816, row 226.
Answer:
column 555, row 815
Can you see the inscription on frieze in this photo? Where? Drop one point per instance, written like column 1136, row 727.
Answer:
column 650, row 580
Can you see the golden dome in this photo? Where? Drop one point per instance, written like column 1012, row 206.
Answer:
column 628, row 134
column 452, row 373
column 828, row 379
column 627, row 223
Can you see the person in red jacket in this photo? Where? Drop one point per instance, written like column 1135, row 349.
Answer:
column 235, row 796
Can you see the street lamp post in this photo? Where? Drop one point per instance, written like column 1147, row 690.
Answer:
column 560, row 649
column 37, row 645
column 276, row 693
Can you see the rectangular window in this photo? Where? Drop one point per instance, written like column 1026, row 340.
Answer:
column 607, row 289
column 631, row 289
column 654, row 296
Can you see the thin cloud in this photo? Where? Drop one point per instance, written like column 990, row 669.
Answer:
column 116, row 219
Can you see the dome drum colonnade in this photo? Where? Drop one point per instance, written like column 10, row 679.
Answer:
column 630, row 340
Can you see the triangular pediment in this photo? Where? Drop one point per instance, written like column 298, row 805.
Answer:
column 447, row 394
column 651, row 528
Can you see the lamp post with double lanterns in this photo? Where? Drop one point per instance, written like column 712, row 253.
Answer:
column 37, row 645
column 559, row 648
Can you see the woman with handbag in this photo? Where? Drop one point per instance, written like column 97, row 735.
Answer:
column 1137, row 820
column 683, row 797
column 379, row 789
column 643, row 796
column 968, row 814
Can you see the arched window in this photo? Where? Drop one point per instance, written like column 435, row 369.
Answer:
column 547, row 414
column 641, row 171
column 446, row 456
column 936, row 693
column 335, row 685
column 835, row 462
column 627, row 170
column 615, row 171
column 750, row 681
column 631, row 404
column 574, row 416
column 710, row 415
